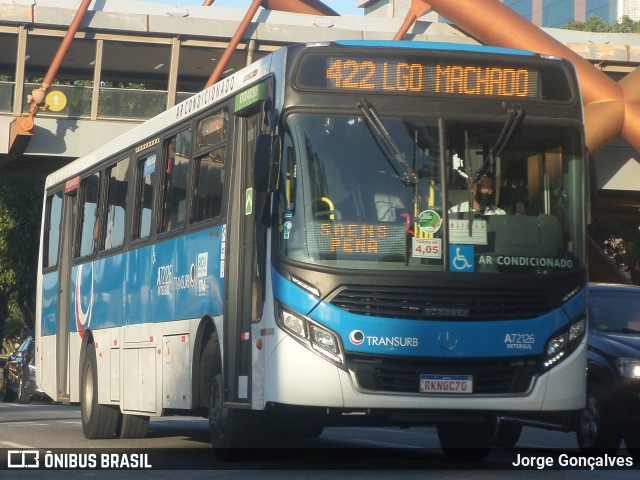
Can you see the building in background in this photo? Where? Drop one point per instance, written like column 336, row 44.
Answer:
column 544, row 13
column 633, row 9
column 390, row 9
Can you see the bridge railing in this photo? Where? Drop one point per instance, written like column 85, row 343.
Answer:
column 132, row 104
column 76, row 101
column 6, row 96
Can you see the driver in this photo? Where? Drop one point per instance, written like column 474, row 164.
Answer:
column 483, row 193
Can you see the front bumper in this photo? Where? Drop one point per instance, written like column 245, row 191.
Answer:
column 312, row 381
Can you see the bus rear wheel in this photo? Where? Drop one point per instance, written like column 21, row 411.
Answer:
column 98, row 421
column 133, row 426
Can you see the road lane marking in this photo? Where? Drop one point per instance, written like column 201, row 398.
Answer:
column 16, row 445
column 25, row 423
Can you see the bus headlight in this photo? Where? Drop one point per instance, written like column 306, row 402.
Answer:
column 563, row 343
column 315, row 337
column 294, row 324
column 323, row 339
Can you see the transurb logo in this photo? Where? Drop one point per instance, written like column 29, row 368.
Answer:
column 84, row 297
column 357, row 337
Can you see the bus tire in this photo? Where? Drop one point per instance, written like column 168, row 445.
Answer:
column 467, row 441
column 507, row 434
column 98, row 421
column 632, row 443
column 231, row 430
column 133, row 426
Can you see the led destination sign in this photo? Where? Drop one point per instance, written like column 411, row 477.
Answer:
column 430, row 77
column 355, row 239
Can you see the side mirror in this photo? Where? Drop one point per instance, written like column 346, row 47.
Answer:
column 266, row 175
column 593, row 178
column 262, row 163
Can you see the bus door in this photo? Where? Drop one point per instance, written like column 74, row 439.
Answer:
column 69, row 216
column 245, row 263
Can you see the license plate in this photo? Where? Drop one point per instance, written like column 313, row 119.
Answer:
column 457, row 384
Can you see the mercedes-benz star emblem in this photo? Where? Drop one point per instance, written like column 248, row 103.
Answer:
column 448, row 340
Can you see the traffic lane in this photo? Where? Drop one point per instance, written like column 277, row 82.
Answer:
column 186, row 445
column 43, row 425
column 316, row 475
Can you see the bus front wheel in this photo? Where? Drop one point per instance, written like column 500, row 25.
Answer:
column 467, row 441
column 98, row 421
column 596, row 430
column 232, row 430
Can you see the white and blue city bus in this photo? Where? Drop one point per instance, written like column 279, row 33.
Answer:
column 280, row 251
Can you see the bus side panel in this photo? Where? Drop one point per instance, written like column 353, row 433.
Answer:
column 140, row 289
column 161, row 282
column 199, row 283
column 186, row 277
column 184, row 284
column 109, row 283
column 97, row 293
column 46, row 370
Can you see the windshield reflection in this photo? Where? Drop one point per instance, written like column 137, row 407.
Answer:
column 343, row 203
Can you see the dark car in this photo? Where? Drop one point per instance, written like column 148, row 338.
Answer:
column 612, row 411
column 20, row 374
column 3, row 362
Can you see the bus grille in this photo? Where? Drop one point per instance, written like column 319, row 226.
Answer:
column 437, row 303
column 402, row 375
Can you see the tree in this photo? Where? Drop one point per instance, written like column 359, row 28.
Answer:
column 597, row 24
column 20, row 207
column 626, row 25
column 14, row 327
column 620, row 240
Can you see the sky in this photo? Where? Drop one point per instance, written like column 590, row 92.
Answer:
column 343, row 7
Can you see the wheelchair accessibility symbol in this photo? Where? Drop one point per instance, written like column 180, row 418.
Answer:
column 461, row 258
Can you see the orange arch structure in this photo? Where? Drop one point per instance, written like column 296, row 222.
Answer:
column 311, row 7
column 610, row 108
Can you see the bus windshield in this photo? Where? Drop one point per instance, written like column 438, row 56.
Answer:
column 343, row 201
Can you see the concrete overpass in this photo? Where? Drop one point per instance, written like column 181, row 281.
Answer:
column 133, row 59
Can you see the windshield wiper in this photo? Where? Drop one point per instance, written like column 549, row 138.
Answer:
column 391, row 150
column 508, row 129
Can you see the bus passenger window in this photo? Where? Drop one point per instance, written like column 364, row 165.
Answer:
column 52, row 232
column 116, row 203
column 176, row 173
column 146, row 171
column 209, row 181
column 90, row 226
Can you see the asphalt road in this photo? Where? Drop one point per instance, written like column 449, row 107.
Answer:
column 178, row 448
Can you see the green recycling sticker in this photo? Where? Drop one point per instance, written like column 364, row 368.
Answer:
column 429, row 221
